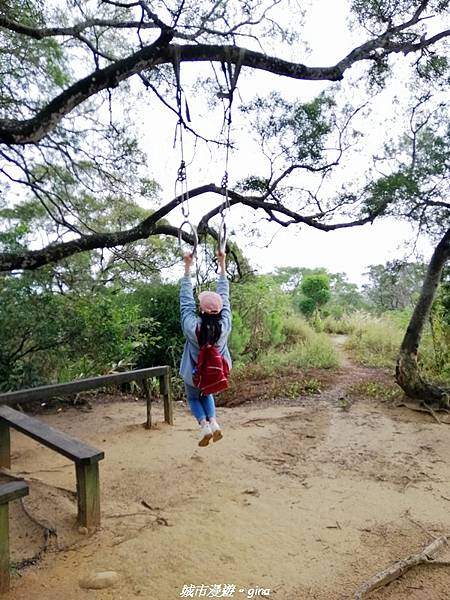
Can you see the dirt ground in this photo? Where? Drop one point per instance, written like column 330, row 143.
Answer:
column 304, row 498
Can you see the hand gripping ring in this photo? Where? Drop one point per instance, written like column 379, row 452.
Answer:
column 194, row 235
column 222, row 236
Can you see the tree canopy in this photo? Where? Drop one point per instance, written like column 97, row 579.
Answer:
column 73, row 75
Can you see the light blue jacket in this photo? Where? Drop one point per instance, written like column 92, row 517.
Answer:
column 190, row 320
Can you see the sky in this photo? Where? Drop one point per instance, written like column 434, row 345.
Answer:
column 351, row 250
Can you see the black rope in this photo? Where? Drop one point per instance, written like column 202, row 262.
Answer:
column 231, row 79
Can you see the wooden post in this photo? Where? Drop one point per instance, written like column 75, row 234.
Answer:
column 164, row 388
column 88, row 494
column 146, row 386
column 4, row 548
column 5, row 446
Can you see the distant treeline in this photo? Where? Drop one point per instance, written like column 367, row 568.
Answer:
column 52, row 333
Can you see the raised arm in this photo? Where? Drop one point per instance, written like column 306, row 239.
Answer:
column 223, row 289
column 188, row 309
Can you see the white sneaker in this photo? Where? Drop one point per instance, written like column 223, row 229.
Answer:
column 216, row 432
column 207, row 434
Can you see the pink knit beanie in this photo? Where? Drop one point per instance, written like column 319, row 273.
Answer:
column 210, row 302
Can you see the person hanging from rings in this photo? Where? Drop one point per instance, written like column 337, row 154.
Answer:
column 211, row 325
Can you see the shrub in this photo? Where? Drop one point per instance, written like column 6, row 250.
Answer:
column 48, row 337
column 315, row 290
column 160, row 304
column 341, row 325
column 296, row 329
column 261, row 306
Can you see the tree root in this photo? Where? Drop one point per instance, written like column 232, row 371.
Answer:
column 400, row 567
column 49, row 531
column 425, row 408
column 50, row 541
column 432, row 413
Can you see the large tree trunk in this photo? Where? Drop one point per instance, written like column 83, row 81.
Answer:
column 407, row 372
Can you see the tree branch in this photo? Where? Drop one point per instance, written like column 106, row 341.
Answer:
column 74, row 30
column 14, row 131
column 32, row 130
column 33, row 259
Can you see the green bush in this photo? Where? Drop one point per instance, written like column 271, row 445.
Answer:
column 337, row 325
column 49, row 337
column 160, row 304
column 104, row 330
column 315, row 293
column 239, row 338
column 296, row 329
column 261, row 306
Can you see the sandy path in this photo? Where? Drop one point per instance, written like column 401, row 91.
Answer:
column 300, row 498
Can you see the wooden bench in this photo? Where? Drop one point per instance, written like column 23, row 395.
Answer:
column 85, row 457
column 10, row 490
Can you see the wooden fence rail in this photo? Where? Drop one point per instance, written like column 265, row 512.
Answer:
column 46, row 392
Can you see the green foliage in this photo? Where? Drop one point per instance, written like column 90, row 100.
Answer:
column 309, row 385
column 380, row 14
column 307, row 306
column 345, row 297
column 295, row 330
column 253, row 184
column 317, row 352
column 49, row 337
column 105, row 330
column 12, row 240
column 394, row 286
column 240, row 337
column 389, row 191
column 444, row 297
column 416, row 188
column 375, row 342
column 88, row 329
column 316, row 293
column 298, row 129
column 289, row 278
column 86, row 270
column 433, row 67
column 440, row 332
column 261, row 306
column 161, row 305
column 337, row 325
column 430, row 158
column 29, row 322
column 25, row 61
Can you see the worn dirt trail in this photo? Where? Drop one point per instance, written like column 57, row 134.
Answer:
column 301, row 498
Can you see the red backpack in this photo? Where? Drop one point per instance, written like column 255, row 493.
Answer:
column 210, row 374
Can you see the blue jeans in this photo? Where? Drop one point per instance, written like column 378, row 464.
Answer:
column 202, row 407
